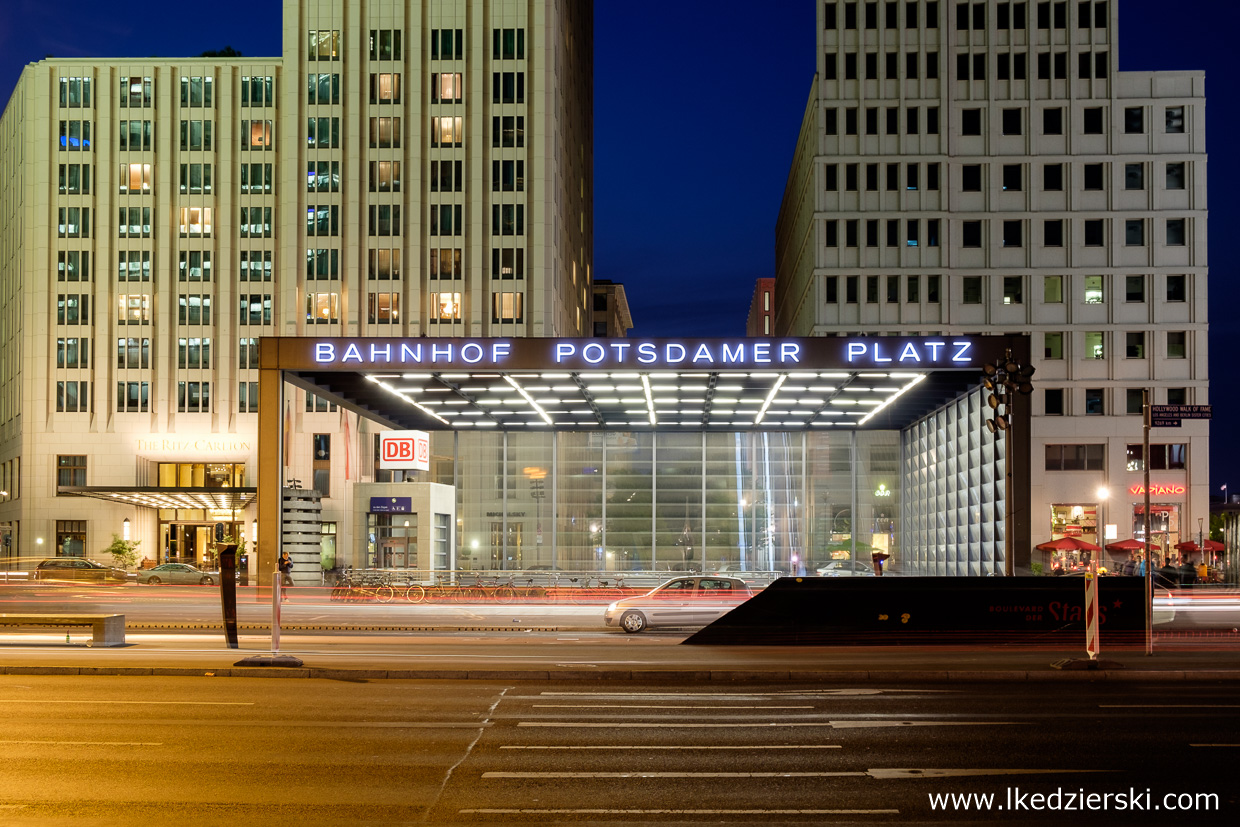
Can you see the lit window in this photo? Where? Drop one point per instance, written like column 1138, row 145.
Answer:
column 195, row 221
column 445, row 307
column 507, row 307
column 384, row 308
column 322, row 308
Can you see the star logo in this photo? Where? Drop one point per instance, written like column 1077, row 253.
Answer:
column 1117, row 604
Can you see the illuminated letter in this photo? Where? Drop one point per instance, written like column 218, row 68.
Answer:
column 855, row 349
column 737, row 355
column 351, row 352
column 762, row 351
column 962, row 349
column 789, row 352
column 476, row 349
column 585, row 353
column 647, row 354
column 934, row 350
column 441, row 350
column 703, row 354
column 563, row 350
column 324, row 352
column 680, row 357
column 909, row 352
column 375, row 350
column 499, row 350
column 620, row 348
column 877, row 357
column 411, row 353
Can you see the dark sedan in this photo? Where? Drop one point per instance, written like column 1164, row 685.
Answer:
column 78, row 569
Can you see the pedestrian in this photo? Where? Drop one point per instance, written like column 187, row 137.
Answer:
column 1127, row 567
column 286, row 570
column 1168, row 577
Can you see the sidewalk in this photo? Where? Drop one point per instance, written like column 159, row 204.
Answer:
column 569, row 655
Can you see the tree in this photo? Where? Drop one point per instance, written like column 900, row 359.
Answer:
column 124, row 552
column 227, row 51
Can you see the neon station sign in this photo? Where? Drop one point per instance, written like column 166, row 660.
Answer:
column 710, row 354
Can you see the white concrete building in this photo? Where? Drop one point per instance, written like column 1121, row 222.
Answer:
column 983, row 168
column 403, row 169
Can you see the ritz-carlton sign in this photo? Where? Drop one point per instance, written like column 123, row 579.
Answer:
column 651, row 354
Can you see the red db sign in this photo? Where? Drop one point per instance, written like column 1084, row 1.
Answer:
column 405, row 450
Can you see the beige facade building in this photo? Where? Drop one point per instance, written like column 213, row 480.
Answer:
column 983, row 168
column 402, row 169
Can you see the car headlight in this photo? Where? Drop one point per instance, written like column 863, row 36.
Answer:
column 611, row 608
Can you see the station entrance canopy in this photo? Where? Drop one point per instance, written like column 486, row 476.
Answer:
column 634, row 384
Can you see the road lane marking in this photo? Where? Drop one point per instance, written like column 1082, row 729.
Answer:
column 135, row 703
column 930, row 772
column 658, row 706
column 1214, row 745
column 1169, row 706
column 91, row 743
column 647, row 774
column 758, row 725
column 646, row 747
column 587, row 811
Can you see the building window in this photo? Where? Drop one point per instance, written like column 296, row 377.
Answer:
column 255, row 222
column 258, row 91
column 324, row 133
column 1094, row 345
column 508, row 44
column 133, row 309
column 1177, row 288
column 1052, row 121
column 255, row 265
column 447, row 219
column 507, row 307
column 971, row 290
column 1012, row 234
column 1012, row 177
column 256, row 135
column 1175, row 232
column 383, row 308
column 74, row 265
column 135, row 179
column 1177, row 396
column 971, row 122
column 445, row 307
column 1175, row 176
column 385, row 176
column 195, row 222
column 385, row 44
column 133, row 397
column 1013, row 290
column 247, row 353
column 507, row 219
column 1177, row 344
column 1168, row 457
column 1052, row 402
column 322, row 264
column 1134, row 288
column 1091, row 121
column 971, row 233
column 256, row 178
column 385, row 133
column 73, row 353
column 1012, row 122
column 247, row 397
column 1175, row 119
column 850, row 289
column 194, row 353
column 1093, row 176
column 255, row 309
column 893, row 289
column 132, row 222
column 135, row 136
column 73, row 397
column 74, row 222
column 507, row 176
column 384, row 264
column 323, row 220
column 322, row 308
column 447, row 44
column 74, row 179
column 1134, row 176
column 1134, row 232
column 317, row 404
column 194, row 397
column 196, row 136
column 196, row 92
column 133, row 353
column 134, row 265
column 1052, row 345
column 1093, row 290
column 70, row 470
column 75, row 93
column 385, row 87
column 1134, row 401
column 971, row 178
column 506, row 263
column 1094, row 234
column 73, row 308
column 1052, row 233
column 323, row 44
column 192, row 309
column 1052, row 177
column 195, row 178
column 1134, row 120
column 70, row 538
column 75, row 136
column 1075, row 457
column 1093, row 402
column 384, row 220
column 912, row 289
column 509, row 131
column 1134, row 344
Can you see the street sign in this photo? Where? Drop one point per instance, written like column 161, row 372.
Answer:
column 1170, row 416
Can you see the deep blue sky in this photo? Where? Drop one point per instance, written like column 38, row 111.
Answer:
column 697, row 108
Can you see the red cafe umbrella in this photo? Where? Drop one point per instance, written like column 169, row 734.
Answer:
column 1214, row 545
column 1126, row 545
column 1068, row 544
column 1188, row 545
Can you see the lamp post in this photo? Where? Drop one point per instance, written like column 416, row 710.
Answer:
column 1101, row 524
column 1005, row 378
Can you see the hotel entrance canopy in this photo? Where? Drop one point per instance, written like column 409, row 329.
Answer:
column 636, row 384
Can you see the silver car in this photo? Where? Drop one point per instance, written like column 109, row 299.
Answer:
column 684, row 601
column 846, row 568
column 179, row 573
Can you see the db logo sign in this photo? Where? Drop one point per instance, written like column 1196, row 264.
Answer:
column 405, row 450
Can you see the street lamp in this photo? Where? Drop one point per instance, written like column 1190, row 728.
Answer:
column 1005, row 378
column 1100, row 522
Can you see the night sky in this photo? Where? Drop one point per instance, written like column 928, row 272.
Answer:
column 697, row 107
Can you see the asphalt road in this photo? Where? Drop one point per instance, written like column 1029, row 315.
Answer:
column 119, row 750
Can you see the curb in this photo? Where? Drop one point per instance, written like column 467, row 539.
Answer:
column 642, row 675
column 266, row 627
